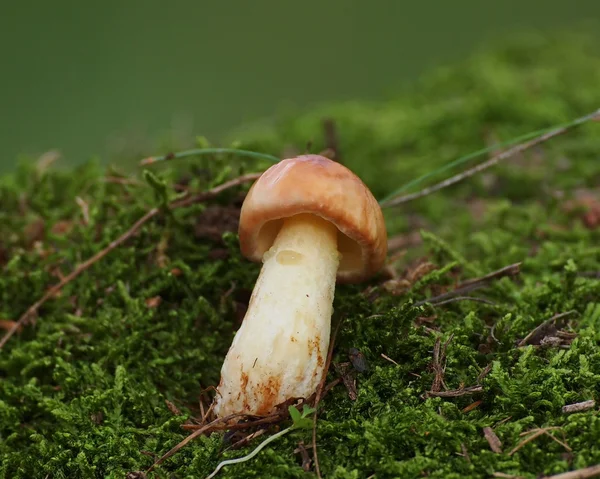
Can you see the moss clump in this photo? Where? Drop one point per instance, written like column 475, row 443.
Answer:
column 84, row 385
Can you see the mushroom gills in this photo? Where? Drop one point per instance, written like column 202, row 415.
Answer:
column 280, row 349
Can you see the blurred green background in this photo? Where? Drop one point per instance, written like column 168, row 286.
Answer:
column 104, row 78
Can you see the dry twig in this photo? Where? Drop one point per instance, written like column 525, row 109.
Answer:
column 473, row 284
column 533, row 434
column 541, row 331
column 515, row 150
column 492, row 439
column 586, row 473
column 454, row 393
column 439, row 364
column 579, row 407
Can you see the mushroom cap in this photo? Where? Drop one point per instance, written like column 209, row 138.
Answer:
column 322, row 187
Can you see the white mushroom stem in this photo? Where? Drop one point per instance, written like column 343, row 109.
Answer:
column 279, row 352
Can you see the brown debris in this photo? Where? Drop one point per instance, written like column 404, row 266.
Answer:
column 136, row 475
column 439, row 365
column 244, row 438
column 474, row 284
column 348, row 378
column 306, row 460
column 474, row 405
column 465, row 452
column 387, row 358
column 534, row 434
column 549, row 333
column 172, row 408
column 492, row 439
column 456, row 392
column 153, row 302
column 586, row 205
column 216, row 220
column 579, row 407
column 403, row 283
column 176, row 272
column 34, row 232
column 7, row 324
column 585, row 473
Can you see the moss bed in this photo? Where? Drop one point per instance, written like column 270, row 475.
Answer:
column 100, row 381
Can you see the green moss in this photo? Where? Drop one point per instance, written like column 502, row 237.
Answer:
column 83, row 386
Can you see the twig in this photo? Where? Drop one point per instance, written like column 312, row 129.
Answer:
column 579, row 407
column 439, row 364
column 191, row 437
column 534, row 434
column 270, row 419
column 306, row 460
column 456, row 392
column 465, row 298
column 515, row 150
column 540, row 331
column 389, row 359
column 318, row 397
column 473, row 284
column 465, row 452
column 506, row 476
column 555, row 439
column 208, row 151
column 586, row 473
column 115, row 244
column 492, row 439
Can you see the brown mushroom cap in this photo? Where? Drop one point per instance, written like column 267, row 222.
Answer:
column 317, row 185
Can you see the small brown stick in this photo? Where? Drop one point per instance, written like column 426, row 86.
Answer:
column 330, row 386
column 533, row 434
column 115, row 244
column 389, row 359
column 472, row 406
column 465, row 452
column 306, row 460
column 586, row 473
column 456, row 392
column 192, row 436
column 515, row 150
column 492, row 439
column 540, row 331
column 85, row 209
column 579, row 407
column 476, row 283
column 318, row 397
column 505, row 476
column 555, row 439
column 465, row 298
column 439, row 364
column 246, row 440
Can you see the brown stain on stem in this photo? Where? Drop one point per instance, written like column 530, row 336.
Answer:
column 267, row 395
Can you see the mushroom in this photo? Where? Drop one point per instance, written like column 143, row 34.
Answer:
column 312, row 222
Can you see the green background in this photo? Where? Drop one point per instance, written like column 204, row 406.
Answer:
column 116, row 77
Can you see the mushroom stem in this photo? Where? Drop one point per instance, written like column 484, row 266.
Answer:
column 280, row 349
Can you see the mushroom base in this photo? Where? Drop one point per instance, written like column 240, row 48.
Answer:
column 279, row 352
